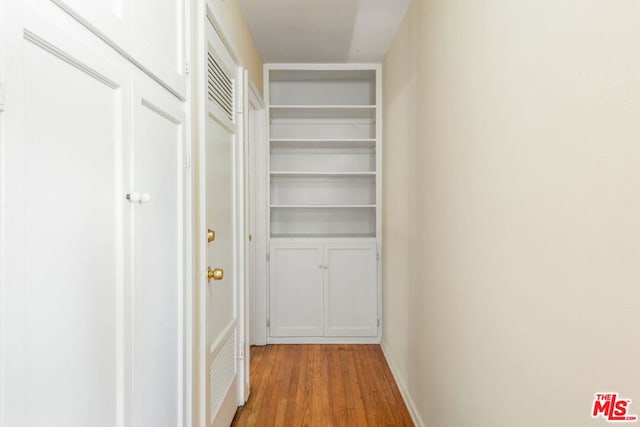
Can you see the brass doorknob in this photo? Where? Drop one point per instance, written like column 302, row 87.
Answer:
column 215, row 273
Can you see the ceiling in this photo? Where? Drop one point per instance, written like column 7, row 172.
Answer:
column 324, row 30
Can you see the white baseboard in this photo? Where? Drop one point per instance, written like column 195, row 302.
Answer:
column 417, row 420
column 323, row 340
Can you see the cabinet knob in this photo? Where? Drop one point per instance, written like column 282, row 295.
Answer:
column 134, row 197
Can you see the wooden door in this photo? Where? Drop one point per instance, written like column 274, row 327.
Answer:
column 295, row 288
column 350, row 308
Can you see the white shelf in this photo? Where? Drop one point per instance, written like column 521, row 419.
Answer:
column 321, row 206
column 324, row 174
column 323, row 112
column 323, row 143
column 323, row 236
column 319, row 75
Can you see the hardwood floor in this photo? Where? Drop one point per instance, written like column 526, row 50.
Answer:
column 321, row 385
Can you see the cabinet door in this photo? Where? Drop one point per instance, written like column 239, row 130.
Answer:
column 62, row 344
column 350, row 290
column 158, row 252
column 157, row 30
column 296, row 290
column 150, row 32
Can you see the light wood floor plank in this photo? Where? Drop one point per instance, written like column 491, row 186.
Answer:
column 321, row 386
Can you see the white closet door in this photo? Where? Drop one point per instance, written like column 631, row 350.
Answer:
column 158, row 250
column 158, row 38
column 350, row 290
column 109, row 17
column 295, row 288
column 151, row 32
column 91, row 303
column 63, row 289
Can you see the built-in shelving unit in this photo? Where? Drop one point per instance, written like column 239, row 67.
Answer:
column 324, row 202
column 323, row 142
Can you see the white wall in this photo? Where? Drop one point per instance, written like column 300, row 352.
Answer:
column 512, row 209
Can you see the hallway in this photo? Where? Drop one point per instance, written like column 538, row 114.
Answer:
column 321, row 385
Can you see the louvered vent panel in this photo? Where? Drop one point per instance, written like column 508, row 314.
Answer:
column 221, row 374
column 219, row 86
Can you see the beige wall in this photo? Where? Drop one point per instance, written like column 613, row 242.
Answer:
column 512, row 209
column 231, row 18
column 399, row 191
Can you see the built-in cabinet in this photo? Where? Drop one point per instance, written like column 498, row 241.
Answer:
column 94, row 222
column 323, row 289
column 324, row 194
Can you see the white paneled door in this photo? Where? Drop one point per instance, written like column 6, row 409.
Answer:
column 295, row 286
column 350, row 292
column 93, row 280
column 65, row 278
column 151, row 32
column 219, row 288
column 158, row 257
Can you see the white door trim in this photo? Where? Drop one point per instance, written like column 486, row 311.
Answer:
column 239, row 230
column 257, row 153
column 254, row 104
column 210, row 11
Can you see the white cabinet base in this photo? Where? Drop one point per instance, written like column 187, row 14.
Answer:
column 323, row 291
column 296, row 290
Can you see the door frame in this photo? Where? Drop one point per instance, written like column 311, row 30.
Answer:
column 254, row 217
column 257, row 222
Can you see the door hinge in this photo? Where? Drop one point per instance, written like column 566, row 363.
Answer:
column 378, row 256
column 187, row 161
column 268, row 257
column 1, row 97
column 378, row 323
column 268, row 323
column 241, row 350
column 187, row 68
